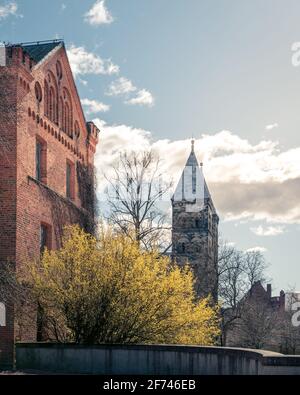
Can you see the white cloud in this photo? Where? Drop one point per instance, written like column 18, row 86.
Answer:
column 120, row 138
column 82, row 81
column 231, row 243
column 94, row 106
column 83, row 62
column 63, row 7
column 249, row 182
column 257, row 249
column 124, row 87
column 98, row 14
column 121, row 86
column 271, row 126
column 8, row 9
column 268, row 231
column 143, row 98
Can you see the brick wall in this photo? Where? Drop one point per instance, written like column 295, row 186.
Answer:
column 7, row 196
column 25, row 202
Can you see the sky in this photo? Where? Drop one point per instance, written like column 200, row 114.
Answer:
column 154, row 74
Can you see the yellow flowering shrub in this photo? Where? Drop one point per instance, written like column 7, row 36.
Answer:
column 108, row 290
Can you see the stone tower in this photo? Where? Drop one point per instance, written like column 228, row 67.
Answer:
column 195, row 227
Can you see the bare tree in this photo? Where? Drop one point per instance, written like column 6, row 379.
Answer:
column 237, row 273
column 259, row 325
column 135, row 194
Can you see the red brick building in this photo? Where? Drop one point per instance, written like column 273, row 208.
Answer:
column 46, row 162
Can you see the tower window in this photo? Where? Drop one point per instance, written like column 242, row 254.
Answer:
column 45, row 237
column 181, row 247
column 197, row 223
column 41, row 160
column 70, row 180
column 194, row 179
column 209, row 221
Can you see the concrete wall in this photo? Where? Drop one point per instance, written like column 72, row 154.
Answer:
column 152, row 359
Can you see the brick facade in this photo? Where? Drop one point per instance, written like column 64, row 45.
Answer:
column 39, row 103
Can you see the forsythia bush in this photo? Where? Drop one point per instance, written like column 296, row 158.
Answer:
column 107, row 290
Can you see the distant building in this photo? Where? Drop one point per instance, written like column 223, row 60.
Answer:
column 46, row 165
column 195, row 227
column 265, row 321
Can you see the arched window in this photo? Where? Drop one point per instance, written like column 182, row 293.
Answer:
column 2, row 314
column 51, row 104
column 76, row 130
column 58, row 70
column 46, row 98
column 38, row 92
column 51, row 101
column 67, row 124
column 61, row 113
column 67, row 116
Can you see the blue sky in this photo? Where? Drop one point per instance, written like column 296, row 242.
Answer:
column 155, row 73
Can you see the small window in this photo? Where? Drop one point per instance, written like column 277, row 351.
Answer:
column 2, row 314
column 209, row 221
column 58, row 70
column 41, row 161
column 38, row 92
column 45, row 237
column 181, row 248
column 70, row 180
column 197, row 223
column 194, row 179
column 76, row 130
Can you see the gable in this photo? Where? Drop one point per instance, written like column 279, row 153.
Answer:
column 56, row 79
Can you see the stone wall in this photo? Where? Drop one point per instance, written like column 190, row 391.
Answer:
column 152, row 359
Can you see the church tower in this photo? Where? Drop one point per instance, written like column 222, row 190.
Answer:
column 195, row 227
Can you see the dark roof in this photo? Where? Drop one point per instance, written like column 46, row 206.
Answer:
column 37, row 51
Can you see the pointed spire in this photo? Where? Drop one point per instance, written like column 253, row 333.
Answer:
column 192, row 184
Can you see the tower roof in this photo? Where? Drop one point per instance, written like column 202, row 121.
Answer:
column 192, row 185
column 192, row 160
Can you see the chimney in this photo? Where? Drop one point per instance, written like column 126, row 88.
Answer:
column 282, row 300
column 269, row 290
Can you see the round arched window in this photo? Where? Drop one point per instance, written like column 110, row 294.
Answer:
column 38, row 92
